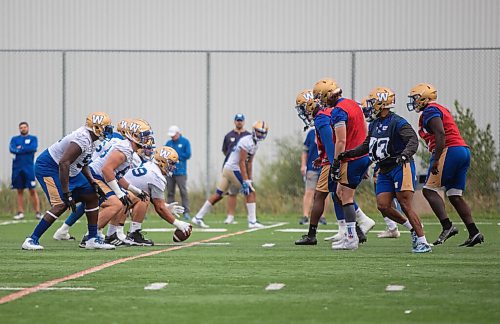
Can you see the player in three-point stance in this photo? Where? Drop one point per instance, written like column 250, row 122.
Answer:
column 449, row 163
column 391, row 142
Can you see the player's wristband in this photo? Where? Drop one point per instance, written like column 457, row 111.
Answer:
column 136, row 191
column 113, row 185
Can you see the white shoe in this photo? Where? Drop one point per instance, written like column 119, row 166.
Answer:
column 337, row 237
column 199, row 222
column 229, row 220
column 62, row 235
column 255, row 225
column 29, row 244
column 365, row 223
column 389, row 233
column 18, row 216
column 97, row 244
column 346, row 244
column 38, row 216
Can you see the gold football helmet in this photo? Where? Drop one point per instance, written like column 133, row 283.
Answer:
column 301, row 106
column 166, row 158
column 139, row 131
column 420, row 96
column 259, row 130
column 99, row 123
column 378, row 99
column 325, row 90
column 121, row 127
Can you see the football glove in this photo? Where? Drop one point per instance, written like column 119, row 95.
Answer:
column 68, row 200
column 335, row 170
column 100, row 193
column 183, row 226
column 245, row 188
column 175, row 209
column 342, row 156
column 126, row 202
column 401, row 159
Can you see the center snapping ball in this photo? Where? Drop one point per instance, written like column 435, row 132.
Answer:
column 179, row 235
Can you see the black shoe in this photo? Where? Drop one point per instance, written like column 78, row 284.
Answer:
column 361, row 235
column 304, row 220
column 83, row 242
column 471, row 241
column 322, row 220
column 446, row 234
column 306, row 240
column 137, row 238
column 114, row 240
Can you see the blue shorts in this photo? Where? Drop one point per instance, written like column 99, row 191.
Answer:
column 47, row 174
column 453, row 166
column 401, row 178
column 353, row 172
column 23, row 178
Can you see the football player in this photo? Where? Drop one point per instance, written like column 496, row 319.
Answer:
column 314, row 112
column 150, row 177
column 392, row 142
column 449, row 163
column 237, row 174
column 64, row 176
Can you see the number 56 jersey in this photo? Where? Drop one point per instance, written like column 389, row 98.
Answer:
column 148, row 177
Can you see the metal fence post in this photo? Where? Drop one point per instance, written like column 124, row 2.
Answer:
column 207, row 166
column 63, row 94
column 353, row 75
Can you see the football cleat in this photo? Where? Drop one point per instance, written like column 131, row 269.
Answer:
column 361, row 235
column 137, row 238
column 199, row 222
column 256, row 224
column 83, row 242
column 304, row 220
column 422, row 248
column 322, row 220
column 446, row 234
column 307, row 240
column 62, row 235
column 113, row 239
column 394, row 233
column 364, row 222
column 38, row 216
column 414, row 238
column 18, row 216
column 30, row 244
column 229, row 220
column 471, row 241
column 346, row 244
column 95, row 243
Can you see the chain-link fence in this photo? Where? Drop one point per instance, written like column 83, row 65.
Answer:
column 202, row 90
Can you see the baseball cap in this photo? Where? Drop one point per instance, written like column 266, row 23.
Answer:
column 239, row 117
column 173, row 130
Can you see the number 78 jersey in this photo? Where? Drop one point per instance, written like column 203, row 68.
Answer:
column 145, row 175
column 385, row 140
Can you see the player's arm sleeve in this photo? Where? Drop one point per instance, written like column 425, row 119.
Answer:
column 359, row 150
column 155, row 192
column 428, row 114
column 339, row 118
column 326, row 135
column 12, row 146
column 410, row 138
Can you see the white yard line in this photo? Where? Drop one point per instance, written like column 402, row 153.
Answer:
column 51, row 288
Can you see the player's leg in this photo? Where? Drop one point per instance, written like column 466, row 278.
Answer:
column 226, row 180
column 171, row 184
column 139, row 210
column 62, row 232
column 251, row 205
column 230, row 207
column 31, row 185
column 182, row 183
column 387, row 207
column 20, row 206
column 110, row 207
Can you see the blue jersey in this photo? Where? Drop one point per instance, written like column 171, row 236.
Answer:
column 311, row 148
column 24, row 148
column 386, row 142
column 183, row 149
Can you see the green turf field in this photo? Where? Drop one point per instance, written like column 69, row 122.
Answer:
column 226, row 283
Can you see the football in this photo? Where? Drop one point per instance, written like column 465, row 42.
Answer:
column 179, row 236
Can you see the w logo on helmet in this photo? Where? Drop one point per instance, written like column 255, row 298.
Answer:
column 97, row 119
column 382, row 96
column 164, row 153
column 308, row 95
column 123, row 124
column 134, row 127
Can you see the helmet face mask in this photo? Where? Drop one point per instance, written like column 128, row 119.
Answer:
column 301, row 107
column 139, row 132
column 146, row 152
column 379, row 99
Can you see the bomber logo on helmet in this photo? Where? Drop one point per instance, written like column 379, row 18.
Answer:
column 378, row 99
column 99, row 123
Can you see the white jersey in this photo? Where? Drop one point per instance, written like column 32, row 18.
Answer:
column 106, row 144
column 123, row 146
column 248, row 144
column 146, row 176
column 136, row 160
column 82, row 138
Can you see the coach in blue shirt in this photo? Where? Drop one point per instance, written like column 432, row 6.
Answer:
column 24, row 147
column 183, row 148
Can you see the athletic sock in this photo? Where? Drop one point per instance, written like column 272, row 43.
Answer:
column 42, row 226
column 446, row 223
column 92, row 230
column 204, row 209
column 391, row 225
column 351, row 230
column 422, row 239
column 312, row 230
column 64, row 227
column 473, row 230
column 252, row 217
column 134, row 226
column 342, row 225
column 76, row 215
column 120, row 232
column 408, row 225
column 111, row 230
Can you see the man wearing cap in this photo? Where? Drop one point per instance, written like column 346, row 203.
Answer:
column 230, row 141
column 183, row 148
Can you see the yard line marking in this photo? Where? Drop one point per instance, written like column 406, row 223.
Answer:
column 156, row 286
column 21, row 221
column 201, row 244
column 51, row 288
column 304, row 230
column 275, row 286
column 53, row 282
column 394, row 288
column 268, row 245
column 206, row 230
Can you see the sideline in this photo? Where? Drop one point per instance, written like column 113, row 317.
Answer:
column 53, row 282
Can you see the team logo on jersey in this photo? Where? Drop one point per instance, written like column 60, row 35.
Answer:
column 97, row 119
column 382, row 96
